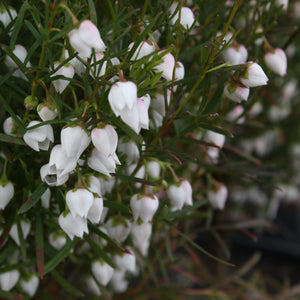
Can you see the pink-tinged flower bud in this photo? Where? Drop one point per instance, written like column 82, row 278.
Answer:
column 7, row 16
column 21, row 53
column 235, row 114
column 118, row 282
column 102, row 271
column 235, row 55
column 276, row 61
column 187, row 17
column 144, row 48
column 126, row 261
column 253, row 75
column 218, row 196
column 122, row 95
column 236, row 92
column 47, row 112
column 105, row 140
column 45, row 198
column 144, row 207
column 51, row 177
column 140, row 234
column 166, row 66
column 79, row 202
column 30, row 285
column 39, row 137
column 9, row 279
column 95, row 211
column 74, row 140
column 66, row 71
column 10, row 126
column 85, row 38
column 130, row 149
column 118, row 230
column 57, row 239
column 7, row 192
column 102, row 163
column 283, row 3
column 25, row 228
column 60, row 163
column 73, row 225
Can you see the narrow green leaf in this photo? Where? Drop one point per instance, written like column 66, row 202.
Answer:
column 92, row 11
column 39, row 242
column 18, row 24
column 66, row 285
column 11, row 139
column 33, row 198
column 21, row 239
column 59, row 257
column 6, row 295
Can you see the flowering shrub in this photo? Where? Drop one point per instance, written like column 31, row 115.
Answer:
column 127, row 128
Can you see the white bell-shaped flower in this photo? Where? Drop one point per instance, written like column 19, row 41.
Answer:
column 235, row 55
column 21, row 53
column 166, row 66
column 218, row 196
column 236, row 92
column 107, row 184
column 143, row 207
column 74, row 140
column 9, row 126
column 179, row 71
column 25, row 227
column 45, row 198
column 60, row 163
column 51, row 177
column 79, row 202
column 47, row 112
column 7, row 16
column 126, row 261
column 276, row 61
column 118, row 281
column 67, row 71
column 187, row 17
column 144, row 48
column 105, row 139
column 7, row 192
column 39, row 137
column 9, row 279
column 102, row 163
column 102, row 271
column 140, row 234
column 154, row 169
column 73, row 225
column 95, row 211
column 30, row 285
column 176, row 194
column 85, row 38
column 253, row 75
column 188, row 199
column 117, row 230
column 129, row 148
column 57, row 239
column 93, row 184
column 122, row 94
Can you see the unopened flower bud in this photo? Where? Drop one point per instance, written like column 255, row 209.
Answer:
column 253, row 75
column 31, row 102
column 276, row 60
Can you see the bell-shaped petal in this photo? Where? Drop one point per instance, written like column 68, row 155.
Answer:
column 253, row 75
column 7, row 192
column 66, row 71
column 143, row 207
column 73, row 225
column 140, row 234
column 166, row 66
column 122, row 94
column 236, row 92
column 235, row 55
column 130, row 149
column 57, row 239
column 74, row 140
column 30, row 285
column 47, row 112
column 126, row 261
column 144, row 48
column 39, row 137
column 79, row 202
column 218, row 196
column 187, row 17
column 95, row 211
column 9, row 279
column 25, row 228
column 276, row 61
column 51, row 177
column 102, row 271
column 176, row 194
column 118, row 230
